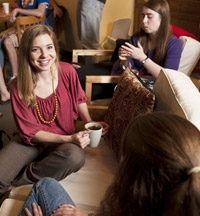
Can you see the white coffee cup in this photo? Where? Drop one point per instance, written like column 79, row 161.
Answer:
column 95, row 133
column 6, row 7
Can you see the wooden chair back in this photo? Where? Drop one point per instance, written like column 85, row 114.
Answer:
column 90, row 80
column 23, row 22
column 98, row 108
column 89, row 52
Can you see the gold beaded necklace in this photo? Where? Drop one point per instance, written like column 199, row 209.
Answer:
column 56, row 104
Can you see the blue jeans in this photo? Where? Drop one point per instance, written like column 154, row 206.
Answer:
column 1, row 54
column 89, row 13
column 49, row 195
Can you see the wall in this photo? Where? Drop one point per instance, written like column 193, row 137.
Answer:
column 113, row 10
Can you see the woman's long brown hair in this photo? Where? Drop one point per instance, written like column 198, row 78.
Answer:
column 157, row 151
column 164, row 32
column 27, row 77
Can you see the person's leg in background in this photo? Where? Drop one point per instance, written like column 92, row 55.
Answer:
column 89, row 13
column 10, row 43
column 5, row 95
column 1, row 53
column 49, row 195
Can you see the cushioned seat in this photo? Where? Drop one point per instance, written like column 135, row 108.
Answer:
column 190, row 55
column 177, row 94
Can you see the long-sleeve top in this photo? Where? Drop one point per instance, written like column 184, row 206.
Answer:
column 69, row 93
column 172, row 55
column 171, row 60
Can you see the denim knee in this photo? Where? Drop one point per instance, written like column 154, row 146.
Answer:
column 45, row 181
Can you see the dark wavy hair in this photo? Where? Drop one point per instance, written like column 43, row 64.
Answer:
column 164, row 32
column 158, row 149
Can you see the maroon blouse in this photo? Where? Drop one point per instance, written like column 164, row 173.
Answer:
column 69, row 93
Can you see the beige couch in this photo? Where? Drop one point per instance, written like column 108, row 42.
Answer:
column 175, row 92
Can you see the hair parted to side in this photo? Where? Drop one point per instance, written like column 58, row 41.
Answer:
column 164, row 32
column 157, row 151
column 27, row 77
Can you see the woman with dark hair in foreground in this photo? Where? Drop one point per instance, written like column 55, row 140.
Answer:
column 159, row 174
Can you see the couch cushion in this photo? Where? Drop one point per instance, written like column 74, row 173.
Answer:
column 130, row 99
column 11, row 207
column 190, row 54
column 177, row 94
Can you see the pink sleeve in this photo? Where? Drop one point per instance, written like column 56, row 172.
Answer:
column 77, row 93
column 24, row 117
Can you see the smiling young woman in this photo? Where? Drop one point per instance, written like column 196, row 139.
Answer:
column 46, row 99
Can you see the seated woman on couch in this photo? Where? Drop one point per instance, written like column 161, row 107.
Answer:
column 154, row 46
column 159, row 174
column 149, row 50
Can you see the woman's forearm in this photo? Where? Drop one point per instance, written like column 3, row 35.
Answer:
column 44, row 136
column 153, row 68
column 84, row 113
column 39, row 12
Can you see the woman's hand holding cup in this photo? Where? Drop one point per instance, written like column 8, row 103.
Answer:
column 81, row 138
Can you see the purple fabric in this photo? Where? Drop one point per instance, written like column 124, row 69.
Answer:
column 172, row 58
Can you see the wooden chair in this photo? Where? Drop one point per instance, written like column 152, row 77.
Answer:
column 89, row 52
column 90, row 80
column 97, row 108
column 23, row 22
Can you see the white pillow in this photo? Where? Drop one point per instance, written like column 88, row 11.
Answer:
column 190, row 54
column 177, row 94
